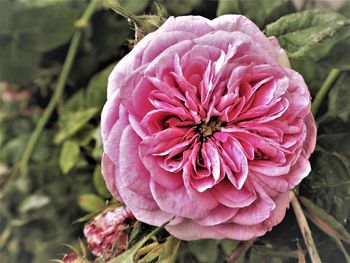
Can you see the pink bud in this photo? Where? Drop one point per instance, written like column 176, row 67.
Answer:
column 105, row 233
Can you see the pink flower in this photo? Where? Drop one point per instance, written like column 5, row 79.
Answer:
column 207, row 127
column 106, row 232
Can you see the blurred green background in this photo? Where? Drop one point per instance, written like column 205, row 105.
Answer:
column 62, row 181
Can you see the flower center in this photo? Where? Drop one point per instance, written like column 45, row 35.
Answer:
column 206, row 129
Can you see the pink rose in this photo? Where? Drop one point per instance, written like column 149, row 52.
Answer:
column 207, row 127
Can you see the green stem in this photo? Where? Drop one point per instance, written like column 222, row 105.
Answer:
column 332, row 76
column 342, row 249
column 304, row 229
column 72, row 51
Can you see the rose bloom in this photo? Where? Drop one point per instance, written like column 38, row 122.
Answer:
column 206, row 126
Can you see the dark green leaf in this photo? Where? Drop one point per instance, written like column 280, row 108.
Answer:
column 258, row 11
column 135, row 231
column 181, row 7
column 28, row 30
column 328, row 185
column 228, row 245
column 90, row 202
column 299, row 33
column 338, row 56
column 205, row 251
column 135, row 7
column 69, row 156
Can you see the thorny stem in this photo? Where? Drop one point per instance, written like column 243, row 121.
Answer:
column 332, row 76
column 304, row 228
column 21, row 166
column 242, row 247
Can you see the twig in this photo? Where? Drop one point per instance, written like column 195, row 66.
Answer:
column 21, row 166
column 305, row 229
column 242, row 247
column 332, row 76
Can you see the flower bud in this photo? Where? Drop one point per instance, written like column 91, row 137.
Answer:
column 105, row 233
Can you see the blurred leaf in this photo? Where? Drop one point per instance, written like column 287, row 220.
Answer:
column 169, row 251
column 181, row 7
column 29, row 30
column 69, row 156
column 335, row 143
column 84, row 136
column 228, row 245
column 301, row 32
column 258, row 11
column 108, row 33
column 205, row 251
column 135, row 7
column 76, row 102
column 338, row 99
column 96, row 92
column 33, row 202
column 90, row 202
column 11, row 152
column 72, row 122
column 99, row 183
column 324, row 220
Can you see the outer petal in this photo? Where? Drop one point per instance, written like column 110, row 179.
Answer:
column 311, row 134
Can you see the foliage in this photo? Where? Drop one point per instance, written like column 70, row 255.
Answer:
column 63, row 181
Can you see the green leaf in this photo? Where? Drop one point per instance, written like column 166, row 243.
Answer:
column 128, row 255
column 338, row 56
column 152, row 255
column 90, row 202
column 69, row 156
column 328, row 185
column 169, row 251
column 107, row 36
column 96, row 92
column 260, row 12
column 135, row 7
column 338, row 99
column 99, row 183
column 136, row 229
column 27, row 31
column 72, row 122
column 324, row 220
column 299, row 33
column 34, row 201
column 228, row 245
column 181, row 7
column 205, row 251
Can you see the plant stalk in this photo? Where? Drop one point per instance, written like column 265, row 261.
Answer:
column 242, row 247
column 316, row 104
column 305, row 229
column 21, row 166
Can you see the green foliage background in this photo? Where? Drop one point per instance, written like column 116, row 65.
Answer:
column 63, row 181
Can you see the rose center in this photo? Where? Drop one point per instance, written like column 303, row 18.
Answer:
column 206, row 129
